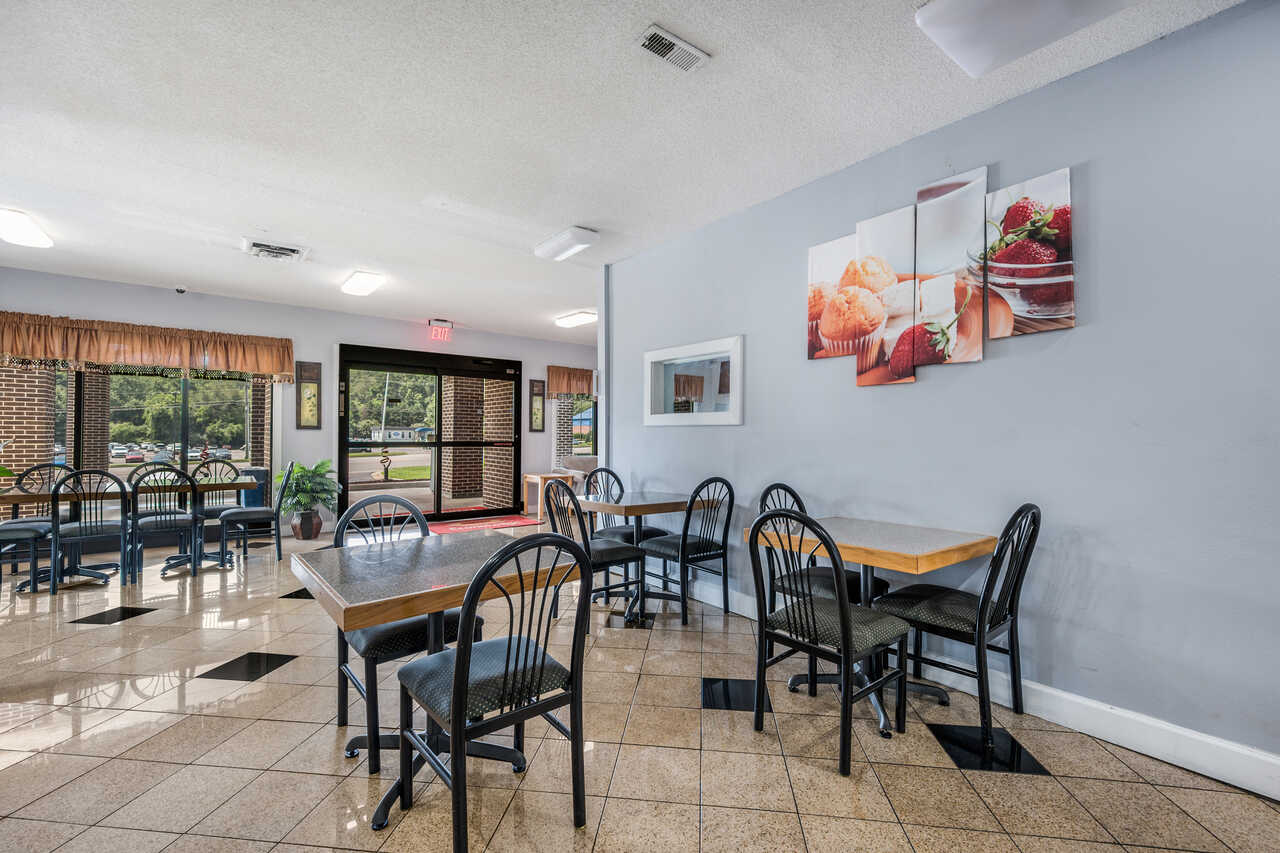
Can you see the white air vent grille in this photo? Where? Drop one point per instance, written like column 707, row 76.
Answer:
column 273, row 251
column 671, row 48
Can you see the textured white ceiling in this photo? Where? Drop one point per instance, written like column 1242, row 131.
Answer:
column 438, row 141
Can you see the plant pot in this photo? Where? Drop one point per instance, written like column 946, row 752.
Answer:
column 306, row 525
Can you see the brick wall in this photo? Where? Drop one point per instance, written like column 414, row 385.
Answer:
column 26, row 419
column 461, row 413
column 499, row 425
column 260, row 425
column 97, row 420
column 563, row 408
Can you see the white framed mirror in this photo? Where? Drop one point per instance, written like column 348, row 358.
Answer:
column 694, row 385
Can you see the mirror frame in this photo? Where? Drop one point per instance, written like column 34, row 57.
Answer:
column 653, row 361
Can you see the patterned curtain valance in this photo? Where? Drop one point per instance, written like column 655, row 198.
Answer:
column 688, row 387
column 570, row 380
column 86, row 344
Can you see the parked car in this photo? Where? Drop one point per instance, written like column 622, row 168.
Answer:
column 118, row 453
column 133, row 457
column 193, row 453
column 162, row 456
column 220, row 453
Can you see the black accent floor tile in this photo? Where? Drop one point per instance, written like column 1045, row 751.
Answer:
column 616, row 620
column 731, row 694
column 299, row 593
column 112, row 616
column 248, row 667
column 964, row 745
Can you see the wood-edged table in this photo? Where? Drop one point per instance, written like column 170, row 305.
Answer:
column 364, row 585
column 907, row 548
column 540, row 481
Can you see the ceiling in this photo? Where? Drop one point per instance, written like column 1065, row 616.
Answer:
column 438, row 142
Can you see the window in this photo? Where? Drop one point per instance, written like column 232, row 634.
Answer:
column 583, row 427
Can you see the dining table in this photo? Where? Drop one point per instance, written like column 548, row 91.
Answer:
column 363, row 585
column 906, row 548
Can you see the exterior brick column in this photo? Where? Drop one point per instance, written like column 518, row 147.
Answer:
column 260, row 425
column 564, row 429
column 26, row 420
column 461, row 412
column 499, row 425
column 97, row 420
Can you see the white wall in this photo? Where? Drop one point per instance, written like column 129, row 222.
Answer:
column 315, row 336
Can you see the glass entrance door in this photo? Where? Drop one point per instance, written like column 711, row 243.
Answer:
column 392, row 437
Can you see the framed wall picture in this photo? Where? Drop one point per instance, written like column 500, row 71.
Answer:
column 307, row 394
column 537, row 405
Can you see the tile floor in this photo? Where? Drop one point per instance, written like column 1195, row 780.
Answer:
column 111, row 739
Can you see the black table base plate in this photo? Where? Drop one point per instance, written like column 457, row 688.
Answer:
column 964, row 746
column 732, row 694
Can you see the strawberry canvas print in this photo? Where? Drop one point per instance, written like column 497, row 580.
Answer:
column 883, row 276
column 1028, row 257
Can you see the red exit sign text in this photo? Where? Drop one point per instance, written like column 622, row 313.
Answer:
column 441, row 333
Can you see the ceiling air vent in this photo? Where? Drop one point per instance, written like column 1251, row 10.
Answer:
column 671, row 48
column 272, row 251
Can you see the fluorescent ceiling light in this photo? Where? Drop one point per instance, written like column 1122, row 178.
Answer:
column 577, row 318
column 568, row 242
column 363, row 283
column 981, row 35
column 20, row 229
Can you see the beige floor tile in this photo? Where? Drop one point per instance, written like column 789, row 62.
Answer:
column 813, row 736
column 52, row 728
column 305, row 670
column 1038, row 844
column 658, row 726
column 542, row 822
column 603, row 721
column 619, row 638
column 322, row 752
column 33, row 777
column 213, row 844
column 187, row 740
column 1030, row 804
column 670, row 662
column 183, row 800
column 1137, row 813
column 315, row 704
column 672, row 691
column 935, row 839
column 35, row 836
column 636, row 826
column 1158, row 772
column 728, row 666
column 934, row 796
column 550, row 769
column 268, row 807
column 845, row 835
column 656, row 773
column 491, row 774
column 827, row 701
column 1074, row 754
column 615, row 687
column 676, row 641
column 10, row 756
column 253, row 700
column 606, row 659
column 820, row 789
column 962, row 711
column 727, row 830
column 196, row 696
column 916, row 745
column 131, row 692
column 342, row 818
column 117, row 734
column 734, row 731
column 96, row 794
column 428, row 826
column 746, row 781
column 260, row 744
column 1244, row 822
column 729, row 644
column 106, row 839
column 16, row 713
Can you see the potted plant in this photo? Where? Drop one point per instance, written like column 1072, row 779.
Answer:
column 309, row 489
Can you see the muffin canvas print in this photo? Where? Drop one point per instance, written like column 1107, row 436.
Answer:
column 883, row 278
column 1030, row 273
column 827, row 265
column 950, row 233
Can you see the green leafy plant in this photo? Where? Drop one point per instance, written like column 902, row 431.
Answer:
column 310, row 488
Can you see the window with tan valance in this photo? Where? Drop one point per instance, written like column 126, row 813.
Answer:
column 36, row 339
column 572, row 381
column 688, row 387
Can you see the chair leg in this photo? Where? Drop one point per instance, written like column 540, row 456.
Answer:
column 813, row 676
column 579, row 770
column 762, row 649
column 917, row 649
column 1015, row 666
column 371, row 712
column 35, row 563
column 343, row 653
column 984, row 694
column 724, row 581
column 900, row 707
column 222, row 544
column 406, row 750
column 665, row 585
column 684, row 593
column 197, row 551
column 846, row 715
column 275, row 527
column 458, row 767
column 517, row 736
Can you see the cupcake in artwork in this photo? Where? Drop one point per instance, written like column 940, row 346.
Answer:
column 870, row 272
column 852, row 323
column 819, row 295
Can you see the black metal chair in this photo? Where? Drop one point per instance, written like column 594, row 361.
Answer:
column 146, row 468
column 376, row 519
column 98, row 509
column 37, row 526
column 704, row 536
column 479, row 688
column 568, row 519
column 236, row 521
column 975, row 619
column 165, row 503
column 822, row 626
column 214, row 504
column 605, row 483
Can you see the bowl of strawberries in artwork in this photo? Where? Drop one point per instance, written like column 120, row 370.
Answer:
column 1029, row 263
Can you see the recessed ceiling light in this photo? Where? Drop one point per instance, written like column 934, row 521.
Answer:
column 577, row 318
column 567, row 243
column 363, row 283
column 20, row 229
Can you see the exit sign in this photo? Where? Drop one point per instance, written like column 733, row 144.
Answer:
column 441, row 333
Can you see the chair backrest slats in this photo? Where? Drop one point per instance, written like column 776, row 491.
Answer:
column 217, row 471
column 92, row 493
column 707, row 517
column 40, row 480
column 380, row 518
column 567, row 517
column 284, row 487
column 781, row 496
column 607, row 485
column 1008, row 567
column 163, row 496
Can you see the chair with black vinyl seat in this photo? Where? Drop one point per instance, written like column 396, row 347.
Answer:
column 165, row 503
column 236, row 521
column 87, row 506
column 975, row 619
column 479, row 688
column 214, row 504
column 703, row 537
column 36, row 527
column 606, row 484
column 821, row 625
column 568, row 519
column 374, row 520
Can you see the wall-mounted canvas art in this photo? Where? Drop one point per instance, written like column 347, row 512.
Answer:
column 827, row 264
column 883, row 299
column 950, row 235
column 1030, row 272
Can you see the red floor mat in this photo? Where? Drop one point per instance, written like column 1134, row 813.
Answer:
column 483, row 524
